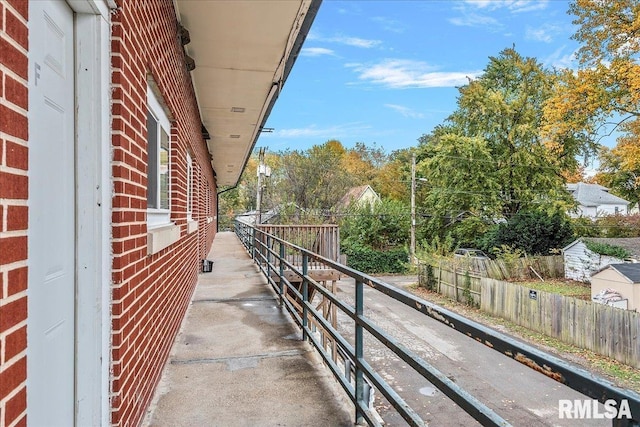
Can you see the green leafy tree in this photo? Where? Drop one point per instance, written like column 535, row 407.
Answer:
column 379, row 226
column 488, row 160
column 534, row 232
column 617, row 174
column 315, row 178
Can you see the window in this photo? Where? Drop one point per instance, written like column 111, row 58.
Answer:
column 189, row 187
column 159, row 165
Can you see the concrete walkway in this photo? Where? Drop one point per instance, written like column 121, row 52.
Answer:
column 238, row 359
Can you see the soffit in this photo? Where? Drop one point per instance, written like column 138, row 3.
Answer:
column 243, row 51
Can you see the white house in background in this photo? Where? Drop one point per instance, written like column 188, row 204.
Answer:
column 595, row 201
column 622, row 280
column 580, row 262
column 358, row 195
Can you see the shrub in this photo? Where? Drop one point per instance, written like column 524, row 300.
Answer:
column 620, row 225
column 607, row 249
column 372, row 261
column 534, row 232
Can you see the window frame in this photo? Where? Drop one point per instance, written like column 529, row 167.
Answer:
column 156, row 216
column 190, row 169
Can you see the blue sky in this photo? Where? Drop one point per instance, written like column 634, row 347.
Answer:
column 386, row 72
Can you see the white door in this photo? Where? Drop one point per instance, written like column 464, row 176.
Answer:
column 51, row 294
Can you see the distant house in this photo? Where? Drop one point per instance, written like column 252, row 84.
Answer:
column 595, row 201
column 620, row 280
column 358, row 195
column 580, row 262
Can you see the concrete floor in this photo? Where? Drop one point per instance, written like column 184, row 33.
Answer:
column 238, row 359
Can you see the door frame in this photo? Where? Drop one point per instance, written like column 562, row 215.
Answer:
column 92, row 31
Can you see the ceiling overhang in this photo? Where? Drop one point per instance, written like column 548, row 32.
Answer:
column 243, row 52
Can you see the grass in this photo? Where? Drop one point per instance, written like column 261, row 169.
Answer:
column 622, row 375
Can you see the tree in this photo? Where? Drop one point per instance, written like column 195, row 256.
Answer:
column 615, row 174
column 393, row 178
column 606, row 86
column 534, row 232
column 315, row 178
column 488, row 160
column 620, row 225
column 380, row 226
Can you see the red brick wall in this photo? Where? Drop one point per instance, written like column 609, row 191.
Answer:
column 151, row 293
column 14, row 192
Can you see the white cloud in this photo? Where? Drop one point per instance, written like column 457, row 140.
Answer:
column 405, row 111
column 346, row 40
column 355, row 41
column 316, row 51
column 545, row 33
column 336, row 131
column 389, row 24
column 401, row 74
column 561, row 59
column 516, row 6
column 474, row 20
column 470, row 16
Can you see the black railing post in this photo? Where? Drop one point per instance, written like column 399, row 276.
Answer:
column 280, row 285
column 267, row 253
column 359, row 353
column 253, row 242
column 305, row 294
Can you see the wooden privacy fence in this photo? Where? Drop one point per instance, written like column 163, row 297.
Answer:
column 606, row 330
column 524, row 268
column 512, row 269
column 461, row 285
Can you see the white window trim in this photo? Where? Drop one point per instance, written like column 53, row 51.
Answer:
column 159, row 217
column 189, row 187
column 192, row 224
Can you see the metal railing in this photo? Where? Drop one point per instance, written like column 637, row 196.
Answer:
column 268, row 251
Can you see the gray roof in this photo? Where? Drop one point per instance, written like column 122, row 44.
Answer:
column 632, row 244
column 629, row 270
column 594, row 195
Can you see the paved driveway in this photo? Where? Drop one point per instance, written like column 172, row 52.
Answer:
column 517, row 393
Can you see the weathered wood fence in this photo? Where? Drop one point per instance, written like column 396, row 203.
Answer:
column 459, row 284
column 322, row 239
column 606, row 330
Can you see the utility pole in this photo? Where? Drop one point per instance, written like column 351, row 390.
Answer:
column 413, row 208
column 261, row 171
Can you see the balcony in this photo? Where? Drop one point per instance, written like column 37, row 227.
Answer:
column 266, row 343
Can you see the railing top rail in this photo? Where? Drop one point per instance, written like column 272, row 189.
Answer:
column 297, row 226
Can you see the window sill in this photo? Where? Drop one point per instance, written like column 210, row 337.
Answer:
column 161, row 238
column 191, row 226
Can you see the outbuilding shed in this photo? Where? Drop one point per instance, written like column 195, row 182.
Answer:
column 580, row 262
column 623, row 279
